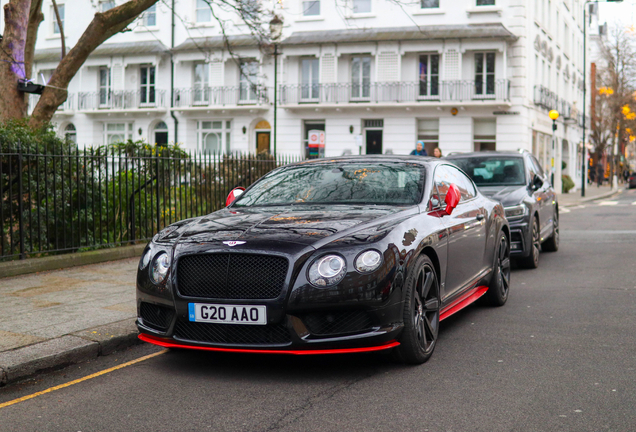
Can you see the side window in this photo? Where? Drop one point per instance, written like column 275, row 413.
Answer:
column 531, row 170
column 442, row 182
column 537, row 166
column 464, row 184
column 445, row 175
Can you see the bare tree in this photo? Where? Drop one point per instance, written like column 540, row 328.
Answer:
column 615, row 101
column 17, row 48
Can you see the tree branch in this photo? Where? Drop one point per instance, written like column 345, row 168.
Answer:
column 103, row 26
column 35, row 19
column 60, row 25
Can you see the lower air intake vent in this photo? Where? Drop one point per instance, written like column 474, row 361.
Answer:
column 157, row 317
column 337, row 322
column 275, row 334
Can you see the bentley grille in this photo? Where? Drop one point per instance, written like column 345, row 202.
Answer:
column 231, row 276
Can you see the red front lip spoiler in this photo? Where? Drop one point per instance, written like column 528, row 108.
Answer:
column 166, row 343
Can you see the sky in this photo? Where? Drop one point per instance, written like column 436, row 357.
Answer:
column 624, row 12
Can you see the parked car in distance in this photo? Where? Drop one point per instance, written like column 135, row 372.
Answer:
column 517, row 180
column 349, row 254
column 631, row 181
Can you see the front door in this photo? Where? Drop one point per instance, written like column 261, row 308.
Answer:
column 374, row 142
column 262, row 142
column 161, row 138
column 466, row 231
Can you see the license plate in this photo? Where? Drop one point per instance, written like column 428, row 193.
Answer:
column 227, row 314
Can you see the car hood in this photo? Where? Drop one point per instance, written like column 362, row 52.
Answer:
column 506, row 195
column 309, row 226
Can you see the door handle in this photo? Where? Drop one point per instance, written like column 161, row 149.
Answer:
column 480, row 217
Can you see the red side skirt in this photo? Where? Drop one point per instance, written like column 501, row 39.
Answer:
column 463, row 301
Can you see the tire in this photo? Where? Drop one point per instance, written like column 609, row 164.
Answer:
column 552, row 244
column 421, row 314
column 499, row 287
column 532, row 260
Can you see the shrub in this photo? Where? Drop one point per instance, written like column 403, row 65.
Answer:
column 567, row 183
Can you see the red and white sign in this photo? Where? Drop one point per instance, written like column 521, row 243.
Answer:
column 316, row 138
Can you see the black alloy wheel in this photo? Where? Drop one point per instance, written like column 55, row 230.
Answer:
column 532, row 260
column 552, row 244
column 421, row 314
column 499, row 287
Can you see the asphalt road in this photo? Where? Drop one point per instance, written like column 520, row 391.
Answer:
column 559, row 356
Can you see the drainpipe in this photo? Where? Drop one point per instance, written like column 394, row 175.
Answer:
column 174, row 118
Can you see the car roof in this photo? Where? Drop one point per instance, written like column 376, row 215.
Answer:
column 486, row 154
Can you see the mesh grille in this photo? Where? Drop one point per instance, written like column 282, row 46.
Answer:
column 337, row 323
column 157, row 317
column 276, row 334
column 231, row 276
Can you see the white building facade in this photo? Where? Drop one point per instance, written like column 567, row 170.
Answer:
column 376, row 76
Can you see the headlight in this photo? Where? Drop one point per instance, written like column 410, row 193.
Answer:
column 327, row 270
column 145, row 259
column 516, row 211
column 368, row 261
column 159, row 268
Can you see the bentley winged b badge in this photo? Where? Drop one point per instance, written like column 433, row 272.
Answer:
column 233, row 243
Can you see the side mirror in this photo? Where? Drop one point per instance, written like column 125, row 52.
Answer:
column 452, row 198
column 233, row 195
column 536, row 183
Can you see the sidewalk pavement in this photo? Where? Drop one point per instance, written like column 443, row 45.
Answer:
column 52, row 319
column 592, row 193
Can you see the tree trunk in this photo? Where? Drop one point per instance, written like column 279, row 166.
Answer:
column 103, row 26
column 12, row 67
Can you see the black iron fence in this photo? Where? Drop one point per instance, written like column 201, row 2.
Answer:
column 92, row 198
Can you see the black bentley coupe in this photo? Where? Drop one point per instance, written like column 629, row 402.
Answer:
column 342, row 255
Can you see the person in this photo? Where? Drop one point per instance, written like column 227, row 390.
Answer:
column 437, row 152
column 419, row 149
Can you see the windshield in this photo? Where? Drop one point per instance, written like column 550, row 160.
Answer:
column 493, row 171
column 339, row 183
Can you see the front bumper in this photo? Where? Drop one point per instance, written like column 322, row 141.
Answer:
column 363, row 326
column 520, row 241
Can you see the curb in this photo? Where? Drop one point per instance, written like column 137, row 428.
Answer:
column 55, row 262
column 594, row 198
column 25, row 362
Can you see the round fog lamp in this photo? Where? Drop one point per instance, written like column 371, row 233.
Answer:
column 368, row 261
column 159, row 268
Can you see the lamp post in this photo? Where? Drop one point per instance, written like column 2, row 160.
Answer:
column 276, row 31
column 584, row 161
column 556, row 154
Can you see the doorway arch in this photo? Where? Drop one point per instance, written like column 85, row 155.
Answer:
column 262, row 132
column 565, row 156
column 160, row 133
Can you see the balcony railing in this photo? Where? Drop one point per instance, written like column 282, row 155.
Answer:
column 67, row 107
column 220, row 96
column 395, row 92
column 549, row 100
column 121, row 100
